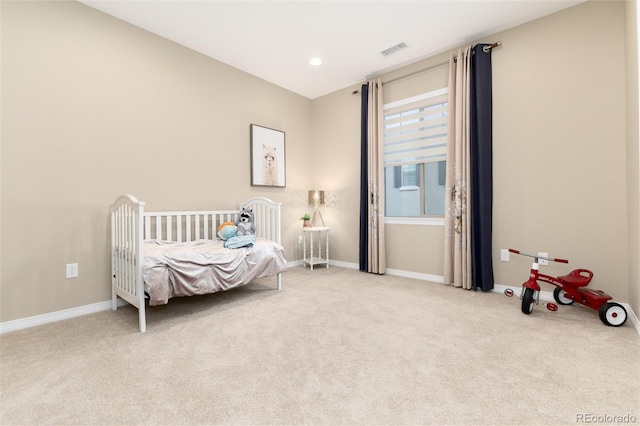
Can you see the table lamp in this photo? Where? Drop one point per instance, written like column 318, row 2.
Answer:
column 316, row 198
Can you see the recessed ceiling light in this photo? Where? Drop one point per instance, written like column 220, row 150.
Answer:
column 315, row 61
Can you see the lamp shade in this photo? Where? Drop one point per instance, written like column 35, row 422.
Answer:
column 316, row 197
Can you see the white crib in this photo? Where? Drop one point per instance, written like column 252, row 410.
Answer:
column 131, row 226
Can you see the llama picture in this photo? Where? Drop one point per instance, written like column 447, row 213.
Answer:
column 267, row 157
column 269, row 165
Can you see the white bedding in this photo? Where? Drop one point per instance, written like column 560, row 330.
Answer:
column 173, row 269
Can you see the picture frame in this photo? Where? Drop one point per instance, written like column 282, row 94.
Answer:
column 268, row 157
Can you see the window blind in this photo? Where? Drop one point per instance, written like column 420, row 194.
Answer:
column 415, row 129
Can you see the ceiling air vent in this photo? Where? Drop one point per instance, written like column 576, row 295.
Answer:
column 393, row 49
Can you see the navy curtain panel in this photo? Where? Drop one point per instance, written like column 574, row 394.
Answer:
column 481, row 142
column 364, row 173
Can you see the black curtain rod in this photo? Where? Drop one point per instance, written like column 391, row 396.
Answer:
column 486, row 49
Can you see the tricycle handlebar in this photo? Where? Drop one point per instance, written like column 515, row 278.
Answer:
column 535, row 256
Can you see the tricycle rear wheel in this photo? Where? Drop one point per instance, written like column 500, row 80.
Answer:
column 613, row 314
column 560, row 296
column 528, row 301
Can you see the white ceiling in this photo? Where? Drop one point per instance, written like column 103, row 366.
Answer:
column 274, row 40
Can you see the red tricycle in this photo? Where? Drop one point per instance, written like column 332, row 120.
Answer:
column 569, row 288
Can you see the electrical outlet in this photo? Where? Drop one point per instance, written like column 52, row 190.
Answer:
column 72, row 270
column 504, row 255
column 543, row 262
column 299, row 239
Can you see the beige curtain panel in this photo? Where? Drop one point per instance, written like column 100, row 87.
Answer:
column 457, row 241
column 375, row 132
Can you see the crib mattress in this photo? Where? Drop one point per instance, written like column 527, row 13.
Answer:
column 173, row 269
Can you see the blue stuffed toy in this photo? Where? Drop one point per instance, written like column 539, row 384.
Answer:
column 227, row 230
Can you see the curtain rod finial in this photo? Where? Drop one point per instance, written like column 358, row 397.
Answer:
column 488, row 47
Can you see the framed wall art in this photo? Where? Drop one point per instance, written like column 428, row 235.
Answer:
column 268, row 164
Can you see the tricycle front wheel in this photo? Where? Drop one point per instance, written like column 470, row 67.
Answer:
column 613, row 314
column 528, row 301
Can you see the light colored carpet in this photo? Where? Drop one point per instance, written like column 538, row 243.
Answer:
column 335, row 346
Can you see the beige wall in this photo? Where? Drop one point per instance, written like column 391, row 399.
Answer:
column 93, row 107
column 559, row 151
column 560, row 134
column 633, row 155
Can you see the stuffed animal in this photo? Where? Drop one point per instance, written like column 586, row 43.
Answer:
column 227, row 230
column 244, row 224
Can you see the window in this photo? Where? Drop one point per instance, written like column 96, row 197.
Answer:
column 415, row 148
column 406, row 177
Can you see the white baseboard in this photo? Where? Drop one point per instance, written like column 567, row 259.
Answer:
column 632, row 317
column 396, row 272
column 294, row 263
column 416, row 275
column 342, row 264
column 19, row 324
column 348, row 265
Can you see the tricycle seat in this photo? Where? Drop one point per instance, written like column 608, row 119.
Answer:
column 577, row 278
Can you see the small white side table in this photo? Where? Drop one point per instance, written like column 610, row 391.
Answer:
column 320, row 257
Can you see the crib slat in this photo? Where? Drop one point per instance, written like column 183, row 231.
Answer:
column 129, row 237
column 147, row 227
